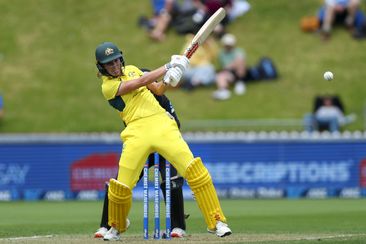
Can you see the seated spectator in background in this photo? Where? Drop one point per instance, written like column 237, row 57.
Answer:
column 328, row 115
column 187, row 16
column 166, row 12
column 206, row 8
column 1, row 107
column 201, row 71
column 149, row 23
column 239, row 8
column 345, row 12
column 232, row 61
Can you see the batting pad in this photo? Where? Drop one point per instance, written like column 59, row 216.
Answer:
column 200, row 182
column 119, row 204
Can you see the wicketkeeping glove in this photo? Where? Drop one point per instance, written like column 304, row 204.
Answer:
column 173, row 76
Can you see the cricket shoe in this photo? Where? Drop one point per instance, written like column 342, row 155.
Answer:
column 221, row 94
column 178, row 233
column 113, row 234
column 221, row 230
column 100, row 233
column 239, row 88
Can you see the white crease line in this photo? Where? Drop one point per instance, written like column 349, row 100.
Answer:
column 25, row 238
column 334, row 236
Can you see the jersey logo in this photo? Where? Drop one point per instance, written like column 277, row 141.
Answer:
column 132, row 74
column 108, row 51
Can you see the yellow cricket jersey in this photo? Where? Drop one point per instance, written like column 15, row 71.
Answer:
column 136, row 104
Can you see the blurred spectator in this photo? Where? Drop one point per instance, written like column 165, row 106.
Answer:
column 206, row 8
column 232, row 61
column 201, row 70
column 1, row 107
column 187, row 16
column 345, row 12
column 239, row 8
column 167, row 13
column 328, row 114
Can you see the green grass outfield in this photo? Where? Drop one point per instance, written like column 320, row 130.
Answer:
column 48, row 74
column 252, row 221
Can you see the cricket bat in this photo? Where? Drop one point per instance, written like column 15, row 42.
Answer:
column 204, row 32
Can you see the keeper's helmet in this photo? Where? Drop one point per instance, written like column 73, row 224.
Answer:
column 106, row 52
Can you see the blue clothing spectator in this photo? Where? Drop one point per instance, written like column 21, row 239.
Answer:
column 345, row 12
column 158, row 6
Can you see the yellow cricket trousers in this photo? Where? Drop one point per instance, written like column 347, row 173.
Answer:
column 156, row 133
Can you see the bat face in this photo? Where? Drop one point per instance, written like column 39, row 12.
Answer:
column 209, row 26
column 205, row 31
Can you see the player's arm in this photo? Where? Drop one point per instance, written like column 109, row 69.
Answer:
column 158, row 88
column 126, row 87
column 173, row 72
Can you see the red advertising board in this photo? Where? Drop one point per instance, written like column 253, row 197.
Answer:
column 91, row 172
column 363, row 173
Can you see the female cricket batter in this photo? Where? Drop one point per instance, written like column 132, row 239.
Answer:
column 149, row 129
column 178, row 222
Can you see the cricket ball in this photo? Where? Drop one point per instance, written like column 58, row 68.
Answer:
column 328, row 75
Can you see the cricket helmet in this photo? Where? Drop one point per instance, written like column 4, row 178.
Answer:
column 106, row 52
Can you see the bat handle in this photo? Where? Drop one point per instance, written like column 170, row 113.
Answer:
column 191, row 50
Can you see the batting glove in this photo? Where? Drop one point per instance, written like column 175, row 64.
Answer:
column 173, row 76
column 180, row 61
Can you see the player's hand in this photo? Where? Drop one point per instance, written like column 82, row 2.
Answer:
column 180, row 61
column 173, row 76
